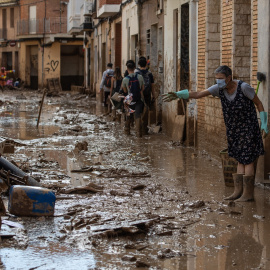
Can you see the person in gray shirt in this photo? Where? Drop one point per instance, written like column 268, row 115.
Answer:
column 245, row 144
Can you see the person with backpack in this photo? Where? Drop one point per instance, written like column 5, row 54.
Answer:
column 106, row 82
column 149, row 90
column 133, row 85
column 116, row 86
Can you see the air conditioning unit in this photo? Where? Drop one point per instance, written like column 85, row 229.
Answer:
column 88, row 7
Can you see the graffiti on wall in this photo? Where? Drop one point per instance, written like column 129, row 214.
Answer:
column 52, row 65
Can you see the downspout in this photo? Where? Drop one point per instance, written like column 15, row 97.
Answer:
column 44, row 23
column 139, row 25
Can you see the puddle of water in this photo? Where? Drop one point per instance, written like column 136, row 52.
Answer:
column 52, row 257
column 20, row 122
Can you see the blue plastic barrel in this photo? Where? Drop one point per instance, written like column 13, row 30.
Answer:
column 31, row 201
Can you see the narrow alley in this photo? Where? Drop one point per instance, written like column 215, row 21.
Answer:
column 134, row 134
column 176, row 193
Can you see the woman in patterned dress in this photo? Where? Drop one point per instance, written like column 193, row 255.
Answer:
column 245, row 144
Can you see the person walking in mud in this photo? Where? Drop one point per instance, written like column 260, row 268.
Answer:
column 3, row 76
column 116, row 86
column 149, row 91
column 244, row 137
column 106, row 82
column 133, row 85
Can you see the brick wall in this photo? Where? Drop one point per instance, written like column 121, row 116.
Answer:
column 211, row 133
column 52, row 8
column 201, row 63
column 242, row 23
column 254, row 43
column 109, row 2
column 227, row 32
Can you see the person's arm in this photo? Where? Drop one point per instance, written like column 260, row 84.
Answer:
column 185, row 94
column 112, row 83
column 258, row 103
column 263, row 114
column 142, row 89
column 198, row 95
column 153, row 90
column 102, row 80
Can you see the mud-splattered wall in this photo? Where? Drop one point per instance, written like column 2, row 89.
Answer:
column 51, row 61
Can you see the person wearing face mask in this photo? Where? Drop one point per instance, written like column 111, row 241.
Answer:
column 245, row 144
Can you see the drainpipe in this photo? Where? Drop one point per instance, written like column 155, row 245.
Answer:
column 44, row 23
column 138, row 2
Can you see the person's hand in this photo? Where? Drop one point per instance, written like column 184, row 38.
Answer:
column 184, row 94
column 264, row 128
column 169, row 96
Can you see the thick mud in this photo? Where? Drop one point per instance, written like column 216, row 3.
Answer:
column 123, row 202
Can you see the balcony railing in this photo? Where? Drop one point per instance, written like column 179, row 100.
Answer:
column 42, row 26
column 3, row 33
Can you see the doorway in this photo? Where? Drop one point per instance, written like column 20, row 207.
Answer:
column 72, row 66
column 184, row 65
column 118, row 44
column 34, row 67
column 7, row 60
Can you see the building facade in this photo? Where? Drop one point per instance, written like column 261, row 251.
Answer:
column 9, row 47
column 185, row 40
column 47, row 50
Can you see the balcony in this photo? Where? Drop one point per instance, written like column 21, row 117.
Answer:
column 42, row 26
column 107, row 8
column 87, row 10
column 3, row 34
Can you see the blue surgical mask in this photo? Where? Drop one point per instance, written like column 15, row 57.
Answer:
column 221, row 83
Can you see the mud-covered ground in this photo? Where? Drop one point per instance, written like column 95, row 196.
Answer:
column 123, row 202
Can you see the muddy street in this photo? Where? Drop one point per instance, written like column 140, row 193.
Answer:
column 122, row 202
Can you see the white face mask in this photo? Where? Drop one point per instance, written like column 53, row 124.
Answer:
column 221, row 83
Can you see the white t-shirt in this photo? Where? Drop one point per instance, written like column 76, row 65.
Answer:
column 247, row 90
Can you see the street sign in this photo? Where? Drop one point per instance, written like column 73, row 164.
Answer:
column 12, row 43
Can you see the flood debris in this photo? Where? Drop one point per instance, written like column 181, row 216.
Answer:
column 8, row 166
column 121, row 173
column 129, row 258
column 31, row 201
column 91, row 187
column 168, row 253
column 128, row 227
column 142, row 264
column 81, row 146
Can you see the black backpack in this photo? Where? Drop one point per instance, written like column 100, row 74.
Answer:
column 108, row 80
column 134, row 88
column 147, row 83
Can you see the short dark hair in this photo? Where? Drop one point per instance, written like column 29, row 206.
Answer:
column 142, row 62
column 224, row 70
column 131, row 65
column 129, row 61
column 110, row 65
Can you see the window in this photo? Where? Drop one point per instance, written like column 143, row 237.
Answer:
column 12, row 18
column 148, row 36
column 148, row 41
column 160, row 5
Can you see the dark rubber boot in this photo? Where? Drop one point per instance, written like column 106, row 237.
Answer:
column 248, row 185
column 138, row 123
column 238, row 187
column 127, row 125
column 113, row 114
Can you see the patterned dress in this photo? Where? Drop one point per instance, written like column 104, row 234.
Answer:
column 242, row 128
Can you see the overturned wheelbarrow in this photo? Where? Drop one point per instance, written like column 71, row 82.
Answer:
column 31, row 201
column 8, row 166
